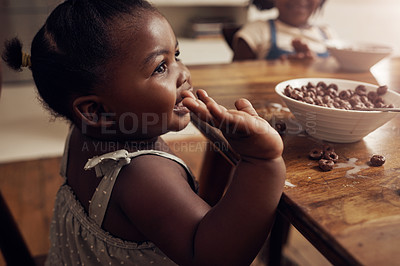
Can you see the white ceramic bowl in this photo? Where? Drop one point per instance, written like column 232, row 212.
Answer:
column 336, row 125
column 358, row 56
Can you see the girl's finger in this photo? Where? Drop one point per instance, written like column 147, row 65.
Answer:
column 245, row 106
column 199, row 108
column 216, row 110
column 188, row 94
column 194, row 105
column 201, row 93
column 203, row 96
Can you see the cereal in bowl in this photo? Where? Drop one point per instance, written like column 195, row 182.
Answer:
column 328, row 95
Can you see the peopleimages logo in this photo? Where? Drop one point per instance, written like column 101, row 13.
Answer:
column 130, row 123
column 295, row 127
column 311, row 122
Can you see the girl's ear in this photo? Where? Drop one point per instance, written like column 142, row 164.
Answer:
column 92, row 112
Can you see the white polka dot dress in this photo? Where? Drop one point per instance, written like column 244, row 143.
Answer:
column 77, row 237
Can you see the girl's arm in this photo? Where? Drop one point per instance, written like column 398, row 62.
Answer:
column 160, row 204
column 242, row 51
column 249, row 204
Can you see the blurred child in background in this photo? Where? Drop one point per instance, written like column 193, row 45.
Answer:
column 291, row 35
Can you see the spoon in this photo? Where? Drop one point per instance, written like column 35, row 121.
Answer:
column 380, row 109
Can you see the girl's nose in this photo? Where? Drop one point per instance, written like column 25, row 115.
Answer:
column 184, row 75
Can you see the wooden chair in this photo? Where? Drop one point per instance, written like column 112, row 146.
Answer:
column 228, row 31
column 12, row 244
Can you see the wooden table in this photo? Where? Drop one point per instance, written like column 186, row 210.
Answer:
column 352, row 213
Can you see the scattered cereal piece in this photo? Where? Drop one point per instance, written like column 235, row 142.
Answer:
column 377, row 160
column 315, row 154
column 280, row 126
column 325, row 165
column 331, row 155
column 325, row 155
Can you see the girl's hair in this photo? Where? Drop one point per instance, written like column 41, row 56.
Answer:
column 268, row 4
column 69, row 54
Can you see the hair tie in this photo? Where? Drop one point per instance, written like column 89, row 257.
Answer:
column 26, row 60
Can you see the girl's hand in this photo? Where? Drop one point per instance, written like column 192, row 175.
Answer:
column 302, row 51
column 247, row 133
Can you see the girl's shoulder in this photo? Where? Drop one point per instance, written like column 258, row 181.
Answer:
column 153, row 167
column 154, row 162
column 253, row 33
column 329, row 32
column 134, row 165
column 256, row 25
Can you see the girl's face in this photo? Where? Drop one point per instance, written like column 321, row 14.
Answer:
column 296, row 12
column 145, row 90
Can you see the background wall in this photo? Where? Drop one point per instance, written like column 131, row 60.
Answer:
column 364, row 20
column 353, row 20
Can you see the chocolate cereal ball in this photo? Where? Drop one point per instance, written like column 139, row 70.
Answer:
column 280, row 126
column 377, row 160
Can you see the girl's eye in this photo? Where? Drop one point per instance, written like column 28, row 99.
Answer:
column 161, row 68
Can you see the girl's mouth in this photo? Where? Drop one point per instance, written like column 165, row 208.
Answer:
column 180, row 109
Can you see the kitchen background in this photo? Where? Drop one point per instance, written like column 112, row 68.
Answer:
column 28, row 131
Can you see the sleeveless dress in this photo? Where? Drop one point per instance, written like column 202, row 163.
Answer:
column 269, row 39
column 76, row 238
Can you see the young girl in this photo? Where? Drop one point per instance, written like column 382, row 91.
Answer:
column 290, row 35
column 111, row 68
